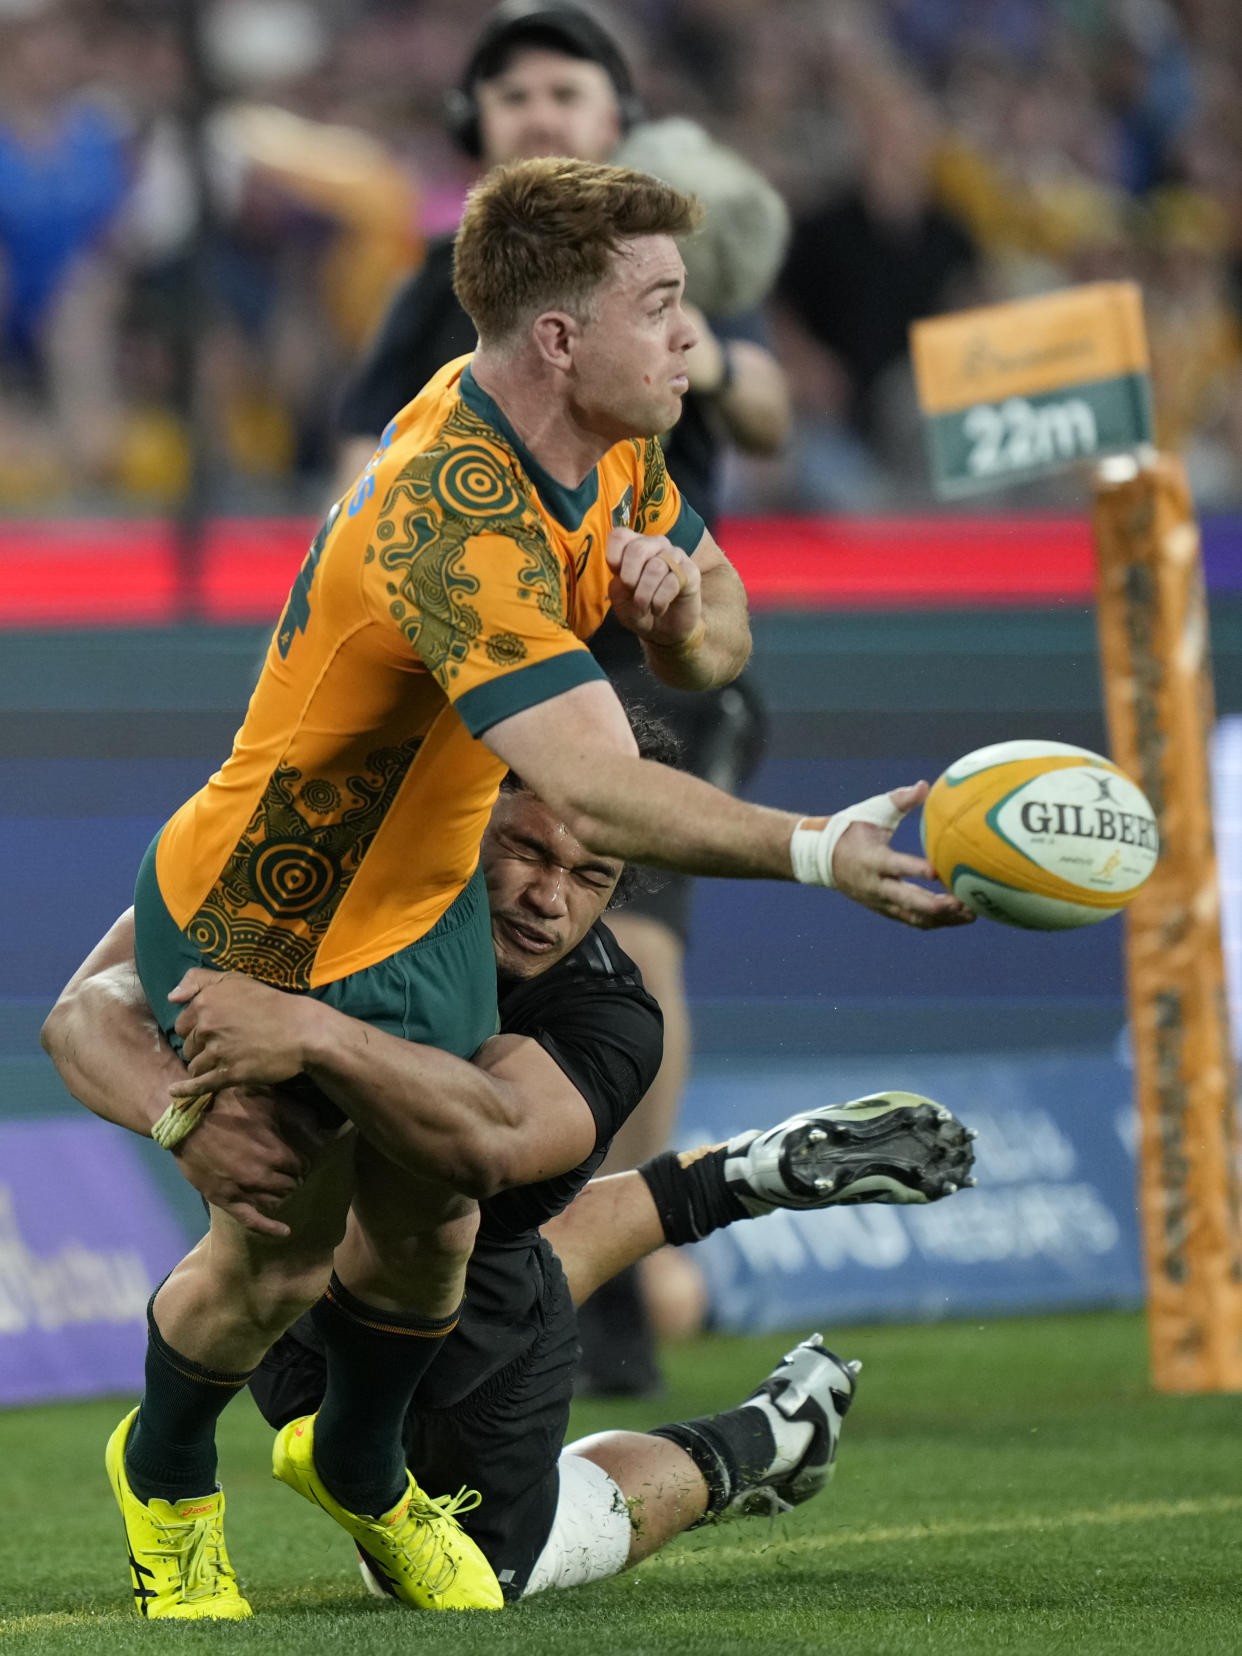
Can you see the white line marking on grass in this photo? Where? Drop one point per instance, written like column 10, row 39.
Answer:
column 950, row 1529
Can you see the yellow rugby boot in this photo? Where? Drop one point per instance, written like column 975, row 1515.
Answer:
column 417, row 1550
column 177, row 1561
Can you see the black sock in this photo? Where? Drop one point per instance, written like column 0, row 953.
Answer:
column 690, row 1193
column 375, row 1359
column 171, row 1450
column 732, row 1450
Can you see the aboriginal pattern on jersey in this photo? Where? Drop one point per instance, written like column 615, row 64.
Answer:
column 297, row 610
column 654, row 498
column 463, row 486
column 283, row 883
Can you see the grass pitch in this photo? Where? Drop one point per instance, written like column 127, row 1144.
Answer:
column 1009, row 1486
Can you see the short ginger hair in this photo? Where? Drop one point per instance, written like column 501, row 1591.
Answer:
column 540, row 235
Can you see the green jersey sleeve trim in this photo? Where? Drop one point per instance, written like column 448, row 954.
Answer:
column 501, row 698
column 689, row 529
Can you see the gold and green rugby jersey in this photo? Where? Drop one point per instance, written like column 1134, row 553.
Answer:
column 451, row 589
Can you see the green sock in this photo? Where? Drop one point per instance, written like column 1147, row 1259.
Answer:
column 375, row 1360
column 171, row 1452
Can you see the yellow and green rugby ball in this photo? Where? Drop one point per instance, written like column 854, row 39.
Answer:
column 1040, row 834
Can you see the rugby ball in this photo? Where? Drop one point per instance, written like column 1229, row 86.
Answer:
column 1039, row 834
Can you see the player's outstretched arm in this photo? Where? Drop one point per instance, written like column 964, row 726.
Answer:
column 246, row 1156
column 576, row 751
column 508, row 1117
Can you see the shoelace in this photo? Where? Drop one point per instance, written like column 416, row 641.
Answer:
column 465, row 1500
column 196, row 1547
column 427, row 1517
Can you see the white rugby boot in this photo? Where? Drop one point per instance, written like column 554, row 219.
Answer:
column 887, row 1147
column 805, row 1399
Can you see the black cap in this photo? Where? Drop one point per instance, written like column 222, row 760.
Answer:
column 559, row 27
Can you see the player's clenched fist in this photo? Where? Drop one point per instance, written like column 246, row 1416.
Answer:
column 656, row 587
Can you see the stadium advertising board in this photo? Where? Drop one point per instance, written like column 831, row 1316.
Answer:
column 84, row 1239
column 1052, row 1224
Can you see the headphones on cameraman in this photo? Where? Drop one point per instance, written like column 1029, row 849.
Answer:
column 560, row 27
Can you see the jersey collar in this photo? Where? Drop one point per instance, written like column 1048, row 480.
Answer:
column 568, row 506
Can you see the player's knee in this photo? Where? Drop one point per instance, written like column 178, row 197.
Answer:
column 443, row 1247
column 275, row 1298
column 427, row 1221
column 453, row 1239
column 663, row 1491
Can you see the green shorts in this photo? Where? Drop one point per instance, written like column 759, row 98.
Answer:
column 439, row 990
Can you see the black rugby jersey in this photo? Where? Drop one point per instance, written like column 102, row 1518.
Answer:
column 593, row 1017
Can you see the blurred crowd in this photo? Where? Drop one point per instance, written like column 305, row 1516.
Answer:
column 157, row 293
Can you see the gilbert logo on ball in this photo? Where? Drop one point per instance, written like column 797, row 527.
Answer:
column 1040, row 834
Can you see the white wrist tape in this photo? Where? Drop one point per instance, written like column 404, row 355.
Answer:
column 810, row 849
